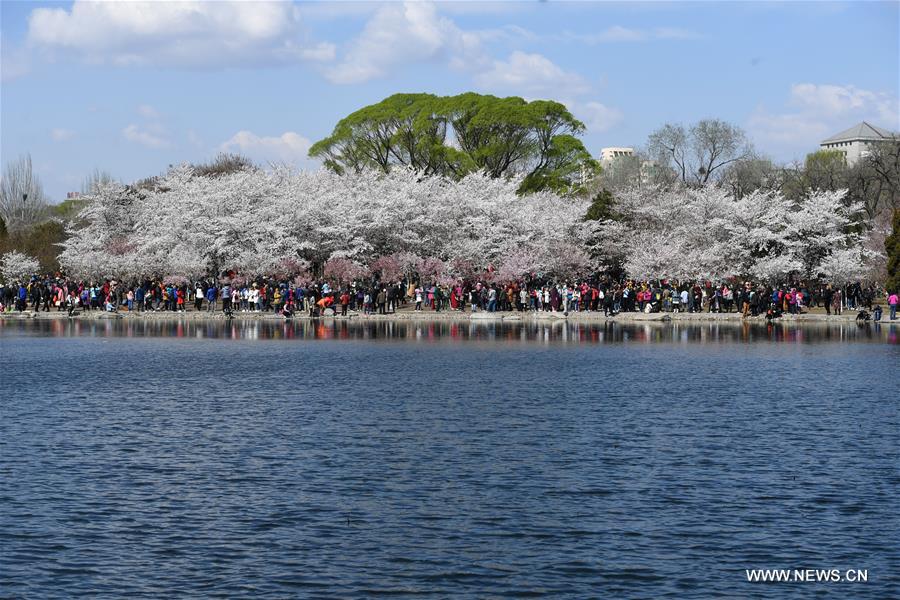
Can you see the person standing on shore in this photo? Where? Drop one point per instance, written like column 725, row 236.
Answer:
column 893, row 299
column 252, row 297
column 198, row 297
column 211, row 293
column 226, row 298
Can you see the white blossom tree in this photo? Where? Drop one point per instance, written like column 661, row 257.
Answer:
column 300, row 225
column 253, row 222
column 16, row 266
column 706, row 233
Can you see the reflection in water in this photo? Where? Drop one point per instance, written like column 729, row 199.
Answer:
column 461, row 330
column 464, row 460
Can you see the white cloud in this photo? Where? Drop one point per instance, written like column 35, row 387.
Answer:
column 535, row 76
column 619, row 34
column 815, row 111
column 288, row 147
column 616, row 33
column 837, row 101
column 184, row 34
column 531, row 74
column 481, row 7
column 514, row 34
column 144, row 137
column 147, row 111
column 596, row 116
column 327, row 11
column 789, row 130
column 406, row 33
column 675, row 33
column 61, row 135
column 414, row 32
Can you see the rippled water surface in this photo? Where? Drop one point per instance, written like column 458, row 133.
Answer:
column 335, row 460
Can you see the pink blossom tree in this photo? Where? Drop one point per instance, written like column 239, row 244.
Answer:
column 343, row 270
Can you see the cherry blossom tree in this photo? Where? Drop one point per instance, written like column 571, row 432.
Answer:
column 705, row 233
column 388, row 268
column 16, row 266
column 289, row 224
column 254, row 222
column 343, row 270
column 431, row 268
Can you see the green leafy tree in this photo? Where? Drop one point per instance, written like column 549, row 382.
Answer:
column 892, row 245
column 42, row 241
column 68, row 209
column 456, row 135
column 825, row 170
column 602, row 208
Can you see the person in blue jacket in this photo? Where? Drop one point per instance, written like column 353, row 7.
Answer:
column 226, row 298
column 211, row 293
column 23, row 297
column 139, row 298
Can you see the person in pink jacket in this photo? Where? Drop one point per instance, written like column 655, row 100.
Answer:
column 892, row 303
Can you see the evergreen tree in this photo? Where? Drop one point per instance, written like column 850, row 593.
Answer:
column 456, row 135
column 892, row 245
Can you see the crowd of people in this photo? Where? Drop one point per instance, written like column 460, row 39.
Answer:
column 605, row 295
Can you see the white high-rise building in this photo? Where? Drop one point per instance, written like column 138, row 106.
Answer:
column 608, row 155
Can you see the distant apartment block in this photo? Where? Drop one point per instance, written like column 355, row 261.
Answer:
column 855, row 142
column 641, row 170
column 607, row 155
column 71, row 195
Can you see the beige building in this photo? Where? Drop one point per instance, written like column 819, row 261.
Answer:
column 607, row 155
column 616, row 165
column 855, row 142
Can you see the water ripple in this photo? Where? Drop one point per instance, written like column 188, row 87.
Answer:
column 135, row 464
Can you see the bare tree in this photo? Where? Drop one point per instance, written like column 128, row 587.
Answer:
column 22, row 201
column 668, row 145
column 700, row 152
column 95, row 179
column 882, row 164
column 747, row 176
column 223, row 164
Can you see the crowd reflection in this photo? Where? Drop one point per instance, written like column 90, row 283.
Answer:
column 459, row 331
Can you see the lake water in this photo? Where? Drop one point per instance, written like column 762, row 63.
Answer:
column 336, row 460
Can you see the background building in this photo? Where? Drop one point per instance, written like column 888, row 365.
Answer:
column 854, row 142
column 607, row 155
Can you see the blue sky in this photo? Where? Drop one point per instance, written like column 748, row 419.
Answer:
column 131, row 87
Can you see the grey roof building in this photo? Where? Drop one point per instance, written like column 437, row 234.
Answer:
column 854, row 142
